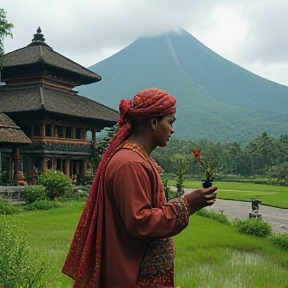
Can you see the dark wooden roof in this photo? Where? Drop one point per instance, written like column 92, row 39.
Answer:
column 42, row 97
column 39, row 53
column 10, row 133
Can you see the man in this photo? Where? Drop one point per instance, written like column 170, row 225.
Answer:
column 123, row 237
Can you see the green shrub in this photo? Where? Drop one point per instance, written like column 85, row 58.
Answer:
column 18, row 268
column 7, row 208
column 78, row 192
column 34, row 193
column 87, row 179
column 280, row 240
column 56, row 184
column 256, row 227
column 166, row 188
column 42, row 205
column 217, row 216
column 5, row 178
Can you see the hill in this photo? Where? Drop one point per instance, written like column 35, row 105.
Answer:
column 216, row 99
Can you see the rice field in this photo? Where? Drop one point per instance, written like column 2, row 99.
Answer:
column 208, row 253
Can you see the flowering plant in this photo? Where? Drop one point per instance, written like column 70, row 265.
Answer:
column 210, row 163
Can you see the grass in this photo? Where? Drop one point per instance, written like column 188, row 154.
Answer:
column 208, row 254
column 50, row 233
column 276, row 196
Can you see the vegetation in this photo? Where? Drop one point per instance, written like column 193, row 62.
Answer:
column 18, row 267
column 181, row 165
column 208, row 252
column 5, row 30
column 265, row 157
column 270, row 195
column 280, row 240
column 7, row 208
column 34, row 193
column 256, row 227
column 56, row 184
column 42, row 205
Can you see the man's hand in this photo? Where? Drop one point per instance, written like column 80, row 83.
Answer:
column 201, row 197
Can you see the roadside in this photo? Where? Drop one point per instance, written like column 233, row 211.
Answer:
column 277, row 217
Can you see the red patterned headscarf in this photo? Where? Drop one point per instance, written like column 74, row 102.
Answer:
column 83, row 262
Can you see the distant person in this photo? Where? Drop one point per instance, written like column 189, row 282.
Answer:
column 123, row 236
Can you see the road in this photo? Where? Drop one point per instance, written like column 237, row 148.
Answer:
column 278, row 218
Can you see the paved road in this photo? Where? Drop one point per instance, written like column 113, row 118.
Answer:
column 278, row 218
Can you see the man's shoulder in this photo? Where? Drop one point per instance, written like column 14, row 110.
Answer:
column 125, row 155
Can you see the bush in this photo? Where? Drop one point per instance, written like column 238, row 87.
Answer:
column 78, row 192
column 42, row 205
column 56, row 184
column 280, row 240
column 5, row 178
column 6, row 207
column 256, row 227
column 217, row 216
column 17, row 266
column 34, row 193
column 86, row 179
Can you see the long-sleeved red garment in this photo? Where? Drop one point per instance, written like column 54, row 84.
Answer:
column 136, row 218
column 137, row 223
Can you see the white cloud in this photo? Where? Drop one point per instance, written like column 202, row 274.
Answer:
column 243, row 31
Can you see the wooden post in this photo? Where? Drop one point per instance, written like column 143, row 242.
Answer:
column 43, row 130
column 93, row 130
column 54, row 164
column 77, row 167
column 16, row 162
column 0, row 163
column 44, row 165
column 52, row 130
column 73, row 132
column 67, row 167
column 84, row 167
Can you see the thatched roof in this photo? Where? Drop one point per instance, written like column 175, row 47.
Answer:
column 39, row 54
column 45, row 98
column 10, row 133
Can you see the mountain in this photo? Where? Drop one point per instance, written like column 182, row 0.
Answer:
column 216, row 99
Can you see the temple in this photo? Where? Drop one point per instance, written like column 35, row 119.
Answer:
column 39, row 98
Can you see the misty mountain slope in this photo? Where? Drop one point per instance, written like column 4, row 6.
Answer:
column 216, row 99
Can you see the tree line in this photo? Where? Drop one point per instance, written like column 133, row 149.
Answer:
column 263, row 157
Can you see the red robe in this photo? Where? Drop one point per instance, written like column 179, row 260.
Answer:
column 136, row 221
column 136, row 250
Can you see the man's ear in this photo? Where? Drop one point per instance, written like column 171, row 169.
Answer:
column 153, row 123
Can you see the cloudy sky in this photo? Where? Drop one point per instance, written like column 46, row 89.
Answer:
column 252, row 34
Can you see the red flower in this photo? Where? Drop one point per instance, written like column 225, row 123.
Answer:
column 210, row 162
column 196, row 153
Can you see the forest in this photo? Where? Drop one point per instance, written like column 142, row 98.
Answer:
column 263, row 160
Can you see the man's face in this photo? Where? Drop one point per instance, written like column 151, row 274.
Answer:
column 164, row 129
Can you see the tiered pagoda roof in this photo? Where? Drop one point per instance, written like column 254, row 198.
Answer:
column 45, row 98
column 10, row 133
column 40, row 79
column 39, row 57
